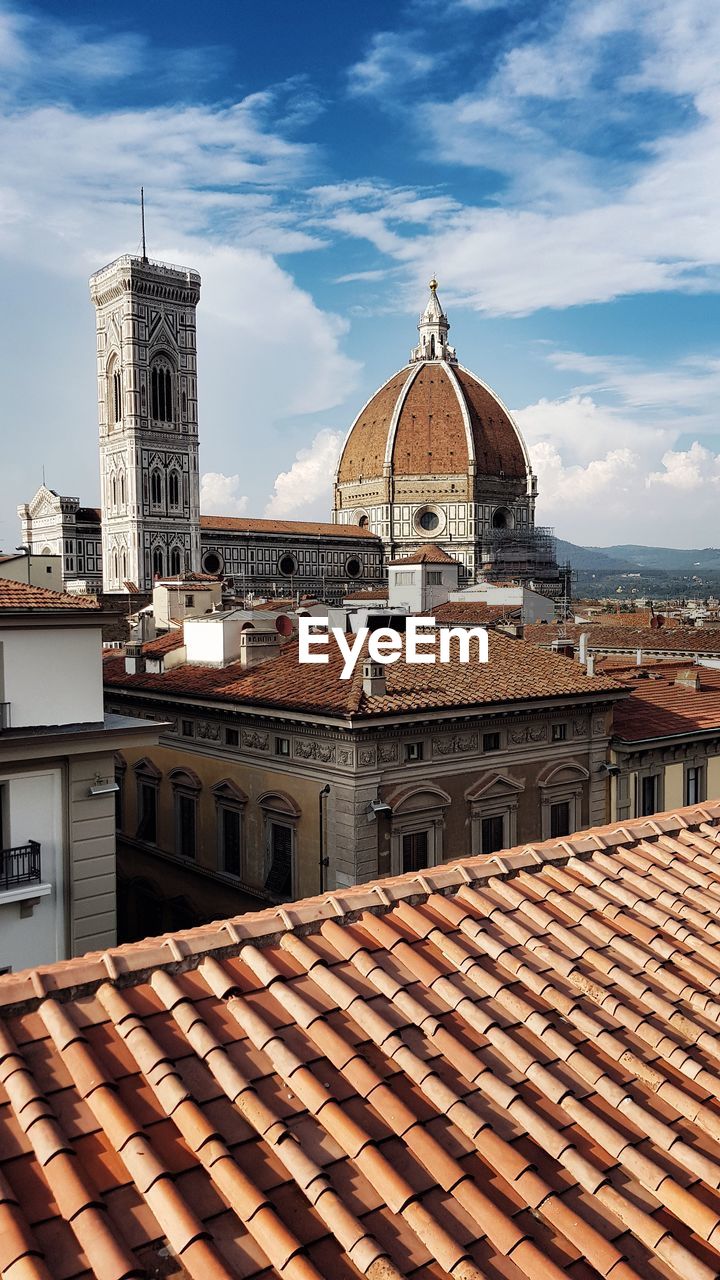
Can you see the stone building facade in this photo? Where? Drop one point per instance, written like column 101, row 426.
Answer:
column 51, row 524
column 408, row 789
column 148, row 419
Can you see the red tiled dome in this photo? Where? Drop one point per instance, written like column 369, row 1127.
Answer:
column 433, row 418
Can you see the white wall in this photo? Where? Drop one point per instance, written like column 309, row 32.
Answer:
column 535, row 607
column 53, row 675
column 34, row 812
column 212, row 640
column 409, row 590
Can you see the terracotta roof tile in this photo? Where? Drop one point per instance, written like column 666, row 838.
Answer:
column 23, row 596
column 510, row 675
column 473, row 613
column 164, row 643
column 659, row 707
column 431, row 553
column 505, row 1066
column 297, row 528
column 430, row 436
column 606, row 639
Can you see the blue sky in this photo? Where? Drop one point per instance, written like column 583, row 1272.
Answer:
column 555, row 164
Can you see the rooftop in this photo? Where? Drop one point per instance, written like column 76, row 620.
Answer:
column 649, row 639
column 296, row 528
column 275, row 683
column 429, row 554
column 501, row 1067
column 473, row 613
column 23, row 597
column 660, row 707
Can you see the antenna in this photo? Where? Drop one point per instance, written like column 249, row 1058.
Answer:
column 142, row 219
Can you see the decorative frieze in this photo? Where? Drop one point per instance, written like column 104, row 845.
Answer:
column 207, row 730
column 387, row 753
column 256, row 741
column 528, row 733
column 314, row 750
column 458, row 744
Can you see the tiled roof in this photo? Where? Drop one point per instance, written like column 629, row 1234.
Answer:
column 636, row 618
column 22, row 595
column 164, row 643
column 429, row 554
column 299, row 528
column 658, row 707
column 473, row 613
column 511, row 675
column 370, row 593
column 430, row 437
column 90, row 515
column 503, row 1067
column 649, row 639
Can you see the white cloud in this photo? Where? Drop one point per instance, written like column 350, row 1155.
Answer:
column 575, row 217
column 220, row 495
column 689, row 470
column 605, row 477
column 216, row 200
column 310, row 477
column 390, row 63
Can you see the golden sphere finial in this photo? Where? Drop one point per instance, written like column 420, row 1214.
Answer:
column 433, row 284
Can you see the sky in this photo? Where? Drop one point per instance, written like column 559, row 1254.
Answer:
column 555, row 164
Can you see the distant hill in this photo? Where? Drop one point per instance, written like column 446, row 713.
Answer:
column 599, row 559
column 630, row 557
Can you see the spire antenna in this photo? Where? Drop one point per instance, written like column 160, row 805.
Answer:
column 142, row 220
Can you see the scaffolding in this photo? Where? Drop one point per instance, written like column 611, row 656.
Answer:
column 520, row 554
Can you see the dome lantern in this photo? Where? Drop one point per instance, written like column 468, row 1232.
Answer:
column 433, row 327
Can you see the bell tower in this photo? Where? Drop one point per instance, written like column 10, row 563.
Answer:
column 147, row 411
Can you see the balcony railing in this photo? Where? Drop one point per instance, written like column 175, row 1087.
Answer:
column 4, row 715
column 20, row 866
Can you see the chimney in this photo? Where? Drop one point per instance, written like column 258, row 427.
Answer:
column 590, row 665
column 258, row 646
column 134, row 660
column 638, row 658
column 688, row 679
column 582, row 652
column 374, row 683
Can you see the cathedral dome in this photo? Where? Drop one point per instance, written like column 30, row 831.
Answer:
column 434, row 419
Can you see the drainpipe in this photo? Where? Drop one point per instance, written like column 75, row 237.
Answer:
column 323, row 860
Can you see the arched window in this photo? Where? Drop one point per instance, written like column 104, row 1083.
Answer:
column 156, row 488
column 113, row 491
column 174, row 489
column 114, row 566
column 175, row 562
column 161, row 392
column 158, row 562
column 123, row 565
column 122, row 489
column 184, row 405
column 114, row 391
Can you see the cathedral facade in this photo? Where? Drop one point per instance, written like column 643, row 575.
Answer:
column 434, row 456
